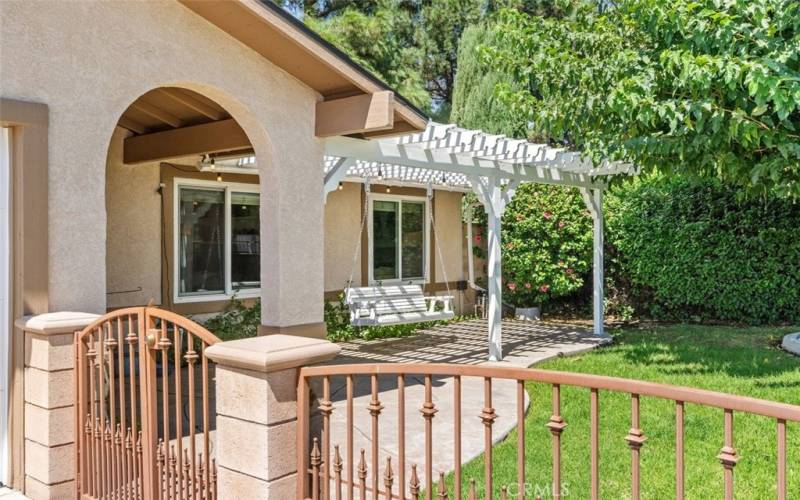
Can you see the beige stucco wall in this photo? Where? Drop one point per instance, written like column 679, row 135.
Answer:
column 342, row 234
column 133, row 256
column 447, row 218
column 88, row 61
column 134, row 234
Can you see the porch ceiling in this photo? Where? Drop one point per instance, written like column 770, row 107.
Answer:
column 170, row 108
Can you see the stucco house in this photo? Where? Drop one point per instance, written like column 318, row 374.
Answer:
column 172, row 152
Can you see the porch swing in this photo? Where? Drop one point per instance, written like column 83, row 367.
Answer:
column 383, row 305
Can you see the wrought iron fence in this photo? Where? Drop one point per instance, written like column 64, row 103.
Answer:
column 341, row 471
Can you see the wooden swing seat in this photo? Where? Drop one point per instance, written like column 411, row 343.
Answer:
column 395, row 305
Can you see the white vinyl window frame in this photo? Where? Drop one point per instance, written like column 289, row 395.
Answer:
column 5, row 293
column 425, row 239
column 228, row 188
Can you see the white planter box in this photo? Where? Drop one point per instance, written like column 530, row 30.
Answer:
column 791, row 343
column 527, row 313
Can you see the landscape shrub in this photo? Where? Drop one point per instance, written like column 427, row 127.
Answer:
column 696, row 250
column 547, row 244
column 676, row 250
column 240, row 321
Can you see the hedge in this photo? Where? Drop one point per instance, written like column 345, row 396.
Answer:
column 696, row 250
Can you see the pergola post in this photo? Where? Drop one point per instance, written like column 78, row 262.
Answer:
column 494, row 198
column 593, row 197
column 495, row 284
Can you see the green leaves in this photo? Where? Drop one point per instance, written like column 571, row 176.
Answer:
column 546, row 244
column 705, row 88
column 694, row 250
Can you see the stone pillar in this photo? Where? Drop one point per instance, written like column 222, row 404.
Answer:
column 256, row 401
column 49, row 402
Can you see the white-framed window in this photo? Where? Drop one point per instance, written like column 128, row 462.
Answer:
column 217, row 250
column 398, row 239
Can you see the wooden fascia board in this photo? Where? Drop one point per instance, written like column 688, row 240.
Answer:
column 215, row 12
column 223, row 135
column 355, row 115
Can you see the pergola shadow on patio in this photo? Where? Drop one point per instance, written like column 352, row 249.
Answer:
column 525, row 343
column 464, row 342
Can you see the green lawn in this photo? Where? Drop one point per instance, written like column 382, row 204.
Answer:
column 732, row 360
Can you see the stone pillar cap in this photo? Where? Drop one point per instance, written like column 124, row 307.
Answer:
column 272, row 353
column 56, row 322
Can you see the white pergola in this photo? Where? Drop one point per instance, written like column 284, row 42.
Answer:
column 492, row 166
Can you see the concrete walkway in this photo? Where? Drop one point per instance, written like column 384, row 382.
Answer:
column 524, row 344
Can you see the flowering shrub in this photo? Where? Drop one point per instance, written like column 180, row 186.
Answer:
column 546, row 244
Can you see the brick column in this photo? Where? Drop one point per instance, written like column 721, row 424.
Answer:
column 49, row 402
column 256, row 400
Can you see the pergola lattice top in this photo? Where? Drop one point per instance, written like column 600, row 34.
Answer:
column 451, row 156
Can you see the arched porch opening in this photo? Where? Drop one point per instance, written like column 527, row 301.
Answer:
column 183, row 207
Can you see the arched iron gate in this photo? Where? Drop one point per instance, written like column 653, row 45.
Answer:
column 143, row 409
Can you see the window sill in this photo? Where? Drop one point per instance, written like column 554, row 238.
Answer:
column 253, row 293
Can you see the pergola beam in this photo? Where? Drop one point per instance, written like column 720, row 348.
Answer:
column 336, row 174
column 383, row 152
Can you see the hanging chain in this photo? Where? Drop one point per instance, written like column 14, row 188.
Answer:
column 360, row 232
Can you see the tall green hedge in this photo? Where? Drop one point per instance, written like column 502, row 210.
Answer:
column 695, row 250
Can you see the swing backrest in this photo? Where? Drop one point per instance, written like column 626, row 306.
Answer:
column 391, row 299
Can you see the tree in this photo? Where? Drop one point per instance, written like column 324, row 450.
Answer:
column 429, row 37
column 380, row 43
column 702, row 87
column 441, row 24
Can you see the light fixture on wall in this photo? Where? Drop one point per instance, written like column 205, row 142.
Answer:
column 380, row 174
column 219, row 177
column 388, row 189
column 341, row 186
column 209, row 160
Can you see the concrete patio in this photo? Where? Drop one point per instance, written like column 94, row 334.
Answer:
column 524, row 344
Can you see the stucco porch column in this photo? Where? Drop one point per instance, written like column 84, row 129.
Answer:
column 257, row 413
column 292, row 241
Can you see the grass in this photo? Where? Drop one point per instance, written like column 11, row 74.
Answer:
column 745, row 361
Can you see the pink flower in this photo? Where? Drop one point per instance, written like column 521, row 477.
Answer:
column 512, row 286
column 544, row 288
column 548, row 214
column 561, row 224
column 528, row 286
column 510, row 245
column 570, row 270
column 478, row 238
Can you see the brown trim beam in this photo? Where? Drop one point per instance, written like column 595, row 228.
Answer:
column 355, row 115
column 262, row 28
column 224, row 135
